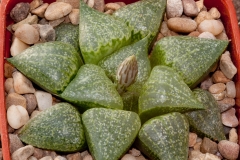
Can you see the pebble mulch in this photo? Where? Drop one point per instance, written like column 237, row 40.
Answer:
column 36, row 25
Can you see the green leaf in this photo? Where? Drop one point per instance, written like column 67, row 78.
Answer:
column 68, row 33
column 92, row 88
column 58, row 128
column 40, row 63
column 110, row 133
column 165, row 137
column 165, row 92
column 145, row 17
column 100, row 34
column 191, row 57
column 207, row 122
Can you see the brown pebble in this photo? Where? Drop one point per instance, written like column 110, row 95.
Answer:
column 20, row 11
column 194, row 34
column 229, row 150
column 99, row 5
column 74, row 156
column 219, row 77
column 8, row 70
column 226, row 104
column 182, row 25
column 217, row 88
column 15, row 142
column 208, row 146
column 229, row 118
column 15, row 99
column 192, row 140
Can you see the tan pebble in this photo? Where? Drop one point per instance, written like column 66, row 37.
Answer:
column 208, row 146
column 90, row 3
column 128, row 157
column 8, row 70
column 219, row 77
column 27, row 33
column 17, row 116
column 213, row 26
column 57, row 10
column 182, row 25
column 214, row 13
column 32, row 158
column 74, row 3
column 29, row 20
column 196, row 155
column 15, row 99
column 199, row 5
column 228, row 150
column 23, row 153
column 46, row 158
column 230, row 89
column 192, row 140
column 207, row 35
column 56, row 22
column 74, row 156
column 15, row 142
column 110, row 11
column 219, row 96
column 50, row 153
column 8, row 84
column 34, row 113
column 227, row 66
column 203, row 15
column 226, row 104
column 88, row 157
column 111, row 6
column 233, row 136
column 217, row 88
column 17, row 46
column 197, row 146
column 222, row 36
column 164, row 29
column 35, row 3
column 135, row 152
column 40, row 10
column 100, row 4
column 22, row 84
column 174, row 8
column 229, row 118
column 190, row 8
column 140, row 158
column 31, row 102
column 60, row 158
column 74, row 16
column 194, row 34
column 66, row 19
column 210, row 156
column 38, row 153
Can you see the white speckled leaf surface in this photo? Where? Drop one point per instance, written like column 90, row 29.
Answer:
column 165, row 92
column 165, row 137
column 207, row 122
column 110, row 133
column 100, row 34
column 58, row 128
column 40, row 63
column 143, row 16
column 191, row 57
column 92, row 88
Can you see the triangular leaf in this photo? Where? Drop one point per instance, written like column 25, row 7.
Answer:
column 58, row 128
column 165, row 92
column 165, row 137
column 100, row 34
column 144, row 17
column 191, row 57
column 41, row 64
column 207, row 122
column 110, row 133
column 92, row 88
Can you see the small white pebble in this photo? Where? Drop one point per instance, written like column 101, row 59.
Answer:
column 44, row 100
column 17, row 116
